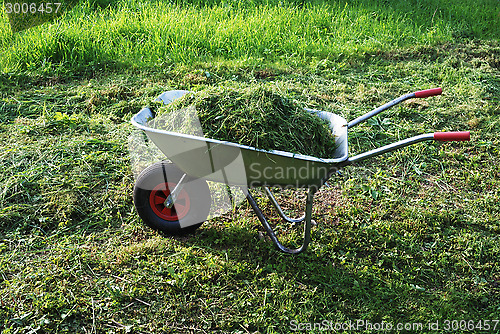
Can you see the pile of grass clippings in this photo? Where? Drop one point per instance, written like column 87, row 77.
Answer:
column 254, row 116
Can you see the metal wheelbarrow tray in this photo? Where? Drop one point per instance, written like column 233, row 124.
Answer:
column 174, row 198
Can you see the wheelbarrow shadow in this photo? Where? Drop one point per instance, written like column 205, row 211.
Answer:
column 316, row 271
column 317, row 276
column 239, row 236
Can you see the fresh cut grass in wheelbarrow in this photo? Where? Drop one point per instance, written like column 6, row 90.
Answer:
column 256, row 116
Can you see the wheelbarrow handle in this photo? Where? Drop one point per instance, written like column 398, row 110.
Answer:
column 428, row 92
column 419, row 94
column 452, row 136
column 441, row 136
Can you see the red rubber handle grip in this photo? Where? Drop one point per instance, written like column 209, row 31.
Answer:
column 428, row 92
column 452, row 136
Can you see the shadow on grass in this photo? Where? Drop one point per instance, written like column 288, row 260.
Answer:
column 314, row 272
column 61, row 73
column 373, row 291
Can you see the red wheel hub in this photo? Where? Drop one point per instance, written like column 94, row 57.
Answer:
column 158, row 197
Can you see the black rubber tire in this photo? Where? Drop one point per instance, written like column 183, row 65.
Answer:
column 197, row 191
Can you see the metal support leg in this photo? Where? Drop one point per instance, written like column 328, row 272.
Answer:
column 280, row 211
column 270, row 231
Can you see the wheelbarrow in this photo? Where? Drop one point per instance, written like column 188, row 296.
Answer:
column 174, row 197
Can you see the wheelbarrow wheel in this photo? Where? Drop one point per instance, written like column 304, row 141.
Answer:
column 190, row 209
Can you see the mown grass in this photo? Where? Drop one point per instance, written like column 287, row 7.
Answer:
column 406, row 237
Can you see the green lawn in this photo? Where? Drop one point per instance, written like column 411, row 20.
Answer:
column 410, row 237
